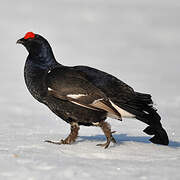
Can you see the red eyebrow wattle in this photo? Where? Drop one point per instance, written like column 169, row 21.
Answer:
column 29, row 35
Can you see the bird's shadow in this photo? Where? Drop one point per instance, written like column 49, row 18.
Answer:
column 120, row 138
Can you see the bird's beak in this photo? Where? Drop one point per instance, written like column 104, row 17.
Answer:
column 20, row 41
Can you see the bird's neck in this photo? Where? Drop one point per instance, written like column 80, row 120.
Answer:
column 40, row 63
column 44, row 59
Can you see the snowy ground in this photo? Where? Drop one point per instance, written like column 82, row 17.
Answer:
column 136, row 40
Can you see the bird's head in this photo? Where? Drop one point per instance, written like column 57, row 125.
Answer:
column 35, row 44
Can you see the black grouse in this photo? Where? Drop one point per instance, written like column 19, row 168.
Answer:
column 82, row 95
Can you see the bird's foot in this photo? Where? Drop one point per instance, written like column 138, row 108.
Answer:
column 108, row 133
column 105, row 145
column 53, row 142
column 71, row 138
column 68, row 140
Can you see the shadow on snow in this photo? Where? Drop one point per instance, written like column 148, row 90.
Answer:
column 120, row 138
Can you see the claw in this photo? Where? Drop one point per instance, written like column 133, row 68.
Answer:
column 66, row 141
column 105, row 145
column 54, row 142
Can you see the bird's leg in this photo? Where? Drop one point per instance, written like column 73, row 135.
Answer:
column 72, row 136
column 107, row 131
column 112, row 138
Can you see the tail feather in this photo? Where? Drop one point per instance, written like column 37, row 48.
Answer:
column 149, row 130
column 160, row 135
column 142, row 107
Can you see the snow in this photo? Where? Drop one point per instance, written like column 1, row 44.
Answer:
column 137, row 41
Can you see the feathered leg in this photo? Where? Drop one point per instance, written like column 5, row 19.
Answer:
column 72, row 136
column 107, row 132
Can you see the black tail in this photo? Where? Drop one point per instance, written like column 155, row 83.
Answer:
column 142, row 106
column 160, row 135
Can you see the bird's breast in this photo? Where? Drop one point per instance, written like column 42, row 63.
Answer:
column 35, row 80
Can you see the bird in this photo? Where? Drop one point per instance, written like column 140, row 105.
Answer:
column 85, row 96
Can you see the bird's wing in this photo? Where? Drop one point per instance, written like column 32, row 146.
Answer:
column 67, row 84
column 114, row 88
column 123, row 96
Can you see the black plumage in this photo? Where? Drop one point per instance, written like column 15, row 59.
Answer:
column 82, row 95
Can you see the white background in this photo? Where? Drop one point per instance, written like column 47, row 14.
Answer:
column 138, row 41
